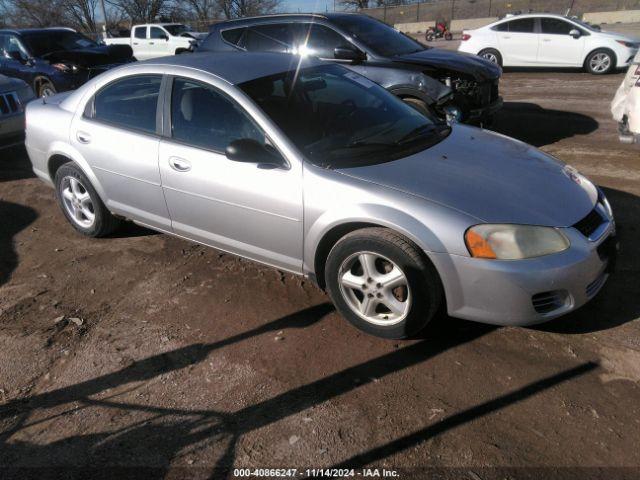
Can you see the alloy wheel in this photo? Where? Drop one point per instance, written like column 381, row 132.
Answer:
column 77, row 202
column 600, row 62
column 375, row 288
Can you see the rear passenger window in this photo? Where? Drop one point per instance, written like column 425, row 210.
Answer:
column 130, row 103
column 523, row 25
column 268, row 38
column 233, row 35
column 140, row 32
column 203, row 117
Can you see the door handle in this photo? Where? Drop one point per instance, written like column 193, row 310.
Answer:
column 546, row 39
column 83, row 137
column 135, row 43
column 179, row 164
column 506, row 37
column 151, row 43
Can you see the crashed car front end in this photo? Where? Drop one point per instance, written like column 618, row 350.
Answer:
column 625, row 106
column 478, row 100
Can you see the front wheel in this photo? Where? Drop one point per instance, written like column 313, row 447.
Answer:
column 599, row 62
column 382, row 283
column 46, row 89
column 429, row 37
column 417, row 104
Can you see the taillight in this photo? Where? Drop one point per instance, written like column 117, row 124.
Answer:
column 465, row 37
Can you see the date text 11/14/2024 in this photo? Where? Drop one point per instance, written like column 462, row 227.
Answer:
column 316, row 472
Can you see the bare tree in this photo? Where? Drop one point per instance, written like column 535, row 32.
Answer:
column 34, row 13
column 245, row 8
column 140, row 11
column 354, row 4
column 80, row 14
column 200, row 10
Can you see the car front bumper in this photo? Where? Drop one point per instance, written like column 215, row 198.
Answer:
column 526, row 292
column 625, row 135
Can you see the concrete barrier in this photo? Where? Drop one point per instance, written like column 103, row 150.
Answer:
column 415, row 27
column 471, row 23
column 623, row 16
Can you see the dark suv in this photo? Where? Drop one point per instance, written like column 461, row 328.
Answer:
column 53, row 60
column 465, row 86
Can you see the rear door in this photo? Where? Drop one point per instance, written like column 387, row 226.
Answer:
column 557, row 47
column 518, row 40
column 118, row 135
column 158, row 44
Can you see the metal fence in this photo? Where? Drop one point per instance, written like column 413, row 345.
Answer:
column 448, row 10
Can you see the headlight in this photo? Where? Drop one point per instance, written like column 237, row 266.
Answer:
column 628, row 44
column 514, row 242
column 63, row 67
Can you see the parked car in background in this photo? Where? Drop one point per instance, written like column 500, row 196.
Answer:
column 625, row 106
column 372, row 48
column 547, row 40
column 158, row 40
column 54, row 60
column 312, row 168
column 14, row 95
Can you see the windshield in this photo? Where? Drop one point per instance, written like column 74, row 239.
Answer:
column 48, row 41
column 586, row 25
column 382, row 39
column 176, row 30
column 338, row 118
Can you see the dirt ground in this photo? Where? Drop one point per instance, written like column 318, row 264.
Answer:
column 142, row 355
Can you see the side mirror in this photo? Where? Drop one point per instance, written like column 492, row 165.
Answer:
column 247, row 150
column 575, row 33
column 348, row 52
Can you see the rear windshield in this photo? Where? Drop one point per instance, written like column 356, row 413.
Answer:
column 382, row 39
column 49, row 41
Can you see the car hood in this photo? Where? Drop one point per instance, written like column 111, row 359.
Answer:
column 481, row 69
column 8, row 84
column 491, row 177
column 618, row 36
column 93, row 56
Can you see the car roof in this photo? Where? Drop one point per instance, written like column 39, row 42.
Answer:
column 285, row 17
column 236, row 67
column 35, row 30
column 533, row 15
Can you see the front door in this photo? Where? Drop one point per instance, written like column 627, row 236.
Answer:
column 117, row 135
column 244, row 208
column 158, row 43
column 557, row 47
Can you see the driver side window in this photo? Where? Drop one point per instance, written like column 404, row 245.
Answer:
column 201, row 116
column 12, row 48
column 319, row 40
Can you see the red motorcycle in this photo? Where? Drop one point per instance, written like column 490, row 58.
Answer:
column 440, row 31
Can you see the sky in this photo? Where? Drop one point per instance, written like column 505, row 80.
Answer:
column 307, row 5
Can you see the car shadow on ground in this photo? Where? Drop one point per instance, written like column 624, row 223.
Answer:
column 13, row 219
column 156, row 445
column 14, row 164
column 539, row 126
column 619, row 300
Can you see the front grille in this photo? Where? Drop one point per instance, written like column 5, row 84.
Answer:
column 589, row 224
column 9, row 103
column 595, row 286
column 547, row 302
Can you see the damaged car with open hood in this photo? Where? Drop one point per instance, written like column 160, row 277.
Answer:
column 53, row 60
column 452, row 85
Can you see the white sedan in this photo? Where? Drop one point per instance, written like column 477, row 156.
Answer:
column 547, row 40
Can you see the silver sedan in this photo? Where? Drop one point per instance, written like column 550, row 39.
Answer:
column 314, row 169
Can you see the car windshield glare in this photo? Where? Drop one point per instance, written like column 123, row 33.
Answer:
column 338, row 118
column 382, row 39
column 176, row 30
column 44, row 42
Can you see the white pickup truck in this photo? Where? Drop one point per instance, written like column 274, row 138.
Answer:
column 157, row 40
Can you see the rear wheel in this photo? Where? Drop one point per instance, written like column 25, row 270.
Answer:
column 81, row 204
column 448, row 36
column 492, row 55
column 599, row 62
column 382, row 284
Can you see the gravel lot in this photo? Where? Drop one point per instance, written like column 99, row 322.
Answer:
column 143, row 355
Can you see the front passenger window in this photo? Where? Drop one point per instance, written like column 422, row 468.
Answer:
column 202, row 116
column 555, row 26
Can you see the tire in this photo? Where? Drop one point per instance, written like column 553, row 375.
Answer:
column 74, row 192
column 418, row 104
column 396, row 311
column 429, row 37
column 492, row 55
column 600, row 62
column 448, row 36
column 46, row 89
